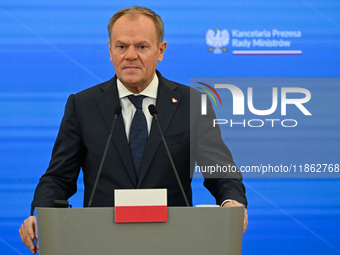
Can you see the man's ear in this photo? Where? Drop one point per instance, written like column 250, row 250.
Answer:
column 162, row 47
column 110, row 49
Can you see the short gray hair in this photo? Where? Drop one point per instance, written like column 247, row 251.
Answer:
column 135, row 11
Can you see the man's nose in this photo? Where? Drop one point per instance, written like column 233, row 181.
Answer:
column 131, row 53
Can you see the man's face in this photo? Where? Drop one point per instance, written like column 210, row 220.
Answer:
column 135, row 51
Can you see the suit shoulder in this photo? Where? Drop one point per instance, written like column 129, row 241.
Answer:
column 181, row 88
column 94, row 90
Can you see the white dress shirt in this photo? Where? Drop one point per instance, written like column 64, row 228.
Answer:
column 128, row 109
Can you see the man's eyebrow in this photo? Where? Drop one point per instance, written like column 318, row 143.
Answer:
column 143, row 42
column 140, row 42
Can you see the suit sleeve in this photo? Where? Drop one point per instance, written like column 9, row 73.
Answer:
column 60, row 180
column 212, row 156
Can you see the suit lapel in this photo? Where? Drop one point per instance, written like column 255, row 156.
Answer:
column 166, row 107
column 106, row 102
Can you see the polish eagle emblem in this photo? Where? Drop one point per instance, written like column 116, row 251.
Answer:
column 217, row 40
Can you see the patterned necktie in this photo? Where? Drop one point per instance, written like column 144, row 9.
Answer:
column 138, row 133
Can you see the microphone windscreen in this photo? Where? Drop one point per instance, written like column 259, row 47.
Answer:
column 118, row 110
column 152, row 109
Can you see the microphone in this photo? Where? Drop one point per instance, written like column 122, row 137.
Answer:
column 153, row 112
column 117, row 112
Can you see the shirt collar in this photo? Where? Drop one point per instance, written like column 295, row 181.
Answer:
column 149, row 91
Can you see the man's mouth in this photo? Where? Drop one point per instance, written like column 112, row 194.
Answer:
column 130, row 67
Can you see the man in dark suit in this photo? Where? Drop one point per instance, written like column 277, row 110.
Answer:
column 136, row 157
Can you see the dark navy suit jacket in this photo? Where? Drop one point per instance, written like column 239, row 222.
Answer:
column 84, row 131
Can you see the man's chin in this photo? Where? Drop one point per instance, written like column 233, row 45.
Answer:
column 131, row 72
column 130, row 81
column 129, row 77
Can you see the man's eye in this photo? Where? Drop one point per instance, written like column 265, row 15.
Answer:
column 142, row 47
column 121, row 47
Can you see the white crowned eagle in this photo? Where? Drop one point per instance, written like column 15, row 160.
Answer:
column 217, row 40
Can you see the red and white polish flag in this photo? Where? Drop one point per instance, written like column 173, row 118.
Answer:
column 140, row 205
